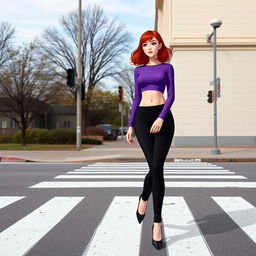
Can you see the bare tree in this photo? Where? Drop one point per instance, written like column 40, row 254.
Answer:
column 126, row 78
column 103, row 43
column 24, row 86
column 6, row 35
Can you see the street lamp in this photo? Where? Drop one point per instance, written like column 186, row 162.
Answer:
column 79, row 76
column 215, row 23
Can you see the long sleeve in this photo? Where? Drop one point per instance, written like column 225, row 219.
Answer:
column 137, row 98
column 170, row 92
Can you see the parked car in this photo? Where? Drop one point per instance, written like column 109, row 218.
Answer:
column 125, row 129
column 112, row 133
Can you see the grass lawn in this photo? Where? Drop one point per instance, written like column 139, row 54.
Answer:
column 15, row 146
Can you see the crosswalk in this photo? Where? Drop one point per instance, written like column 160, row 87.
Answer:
column 183, row 232
column 119, row 223
column 93, row 174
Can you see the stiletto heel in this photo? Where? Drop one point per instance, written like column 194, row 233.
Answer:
column 157, row 244
column 140, row 217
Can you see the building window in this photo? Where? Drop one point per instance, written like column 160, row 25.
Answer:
column 4, row 123
column 66, row 124
column 13, row 124
column 57, row 124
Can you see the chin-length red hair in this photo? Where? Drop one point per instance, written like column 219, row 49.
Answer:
column 138, row 57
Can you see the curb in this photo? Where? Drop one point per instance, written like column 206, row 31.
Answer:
column 13, row 159
column 171, row 160
column 119, row 159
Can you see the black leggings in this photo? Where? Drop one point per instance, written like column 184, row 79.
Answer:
column 155, row 147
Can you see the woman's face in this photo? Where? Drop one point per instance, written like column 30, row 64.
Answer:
column 151, row 47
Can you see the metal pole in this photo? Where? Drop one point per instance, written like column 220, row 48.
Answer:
column 215, row 150
column 122, row 121
column 79, row 76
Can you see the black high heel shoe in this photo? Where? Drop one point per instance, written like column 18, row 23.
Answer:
column 140, row 217
column 157, row 244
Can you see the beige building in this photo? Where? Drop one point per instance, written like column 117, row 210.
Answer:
column 184, row 25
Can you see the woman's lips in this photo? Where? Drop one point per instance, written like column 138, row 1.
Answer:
column 150, row 52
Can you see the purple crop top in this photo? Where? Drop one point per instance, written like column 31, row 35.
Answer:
column 153, row 77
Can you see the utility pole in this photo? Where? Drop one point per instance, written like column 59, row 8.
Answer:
column 121, row 107
column 215, row 23
column 79, row 77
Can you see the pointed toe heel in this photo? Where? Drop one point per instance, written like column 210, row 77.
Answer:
column 157, row 244
column 140, row 217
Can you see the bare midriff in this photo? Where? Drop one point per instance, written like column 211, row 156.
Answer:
column 152, row 98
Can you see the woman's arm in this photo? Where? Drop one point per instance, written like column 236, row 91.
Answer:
column 137, row 99
column 170, row 92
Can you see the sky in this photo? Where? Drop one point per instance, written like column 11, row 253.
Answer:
column 32, row 17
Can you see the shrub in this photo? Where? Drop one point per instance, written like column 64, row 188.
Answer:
column 87, row 140
column 33, row 136
column 62, row 136
column 6, row 138
column 46, row 136
column 95, row 130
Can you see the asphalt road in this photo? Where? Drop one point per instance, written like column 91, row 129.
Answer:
column 89, row 209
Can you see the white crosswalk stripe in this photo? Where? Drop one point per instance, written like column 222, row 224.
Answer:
column 145, row 172
column 19, row 238
column 240, row 211
column 142, row 176
column 144, row 163
column 115, row 229
column 114, row 167
column 7, row 200
column 182, row 233
column 133, row 184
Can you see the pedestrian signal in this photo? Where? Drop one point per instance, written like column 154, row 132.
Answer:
column 210, row 96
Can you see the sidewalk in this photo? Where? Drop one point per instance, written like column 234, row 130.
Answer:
column 120, row 150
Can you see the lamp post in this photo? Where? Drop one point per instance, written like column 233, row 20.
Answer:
column 79, row 76
column 215, row 23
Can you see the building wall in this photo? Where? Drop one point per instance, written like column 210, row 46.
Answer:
column 57, row 121
column 184, row 24
column 57, row 118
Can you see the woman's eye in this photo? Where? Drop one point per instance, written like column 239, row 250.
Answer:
column 146, row 45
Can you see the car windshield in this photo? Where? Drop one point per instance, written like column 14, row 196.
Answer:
column 106, row 127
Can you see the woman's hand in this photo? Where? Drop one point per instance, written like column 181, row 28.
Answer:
column 157, row 125
column 129, row 135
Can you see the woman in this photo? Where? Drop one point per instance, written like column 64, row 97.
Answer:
column 152, row 120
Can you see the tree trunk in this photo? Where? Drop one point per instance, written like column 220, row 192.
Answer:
column 86, row 121
column 23, row 136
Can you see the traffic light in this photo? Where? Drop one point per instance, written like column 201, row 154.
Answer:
column 70, row 77
column 210, row 96
column 120, row 93
column 218, row 90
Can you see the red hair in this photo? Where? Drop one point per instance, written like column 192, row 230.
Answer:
column 138, row 56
